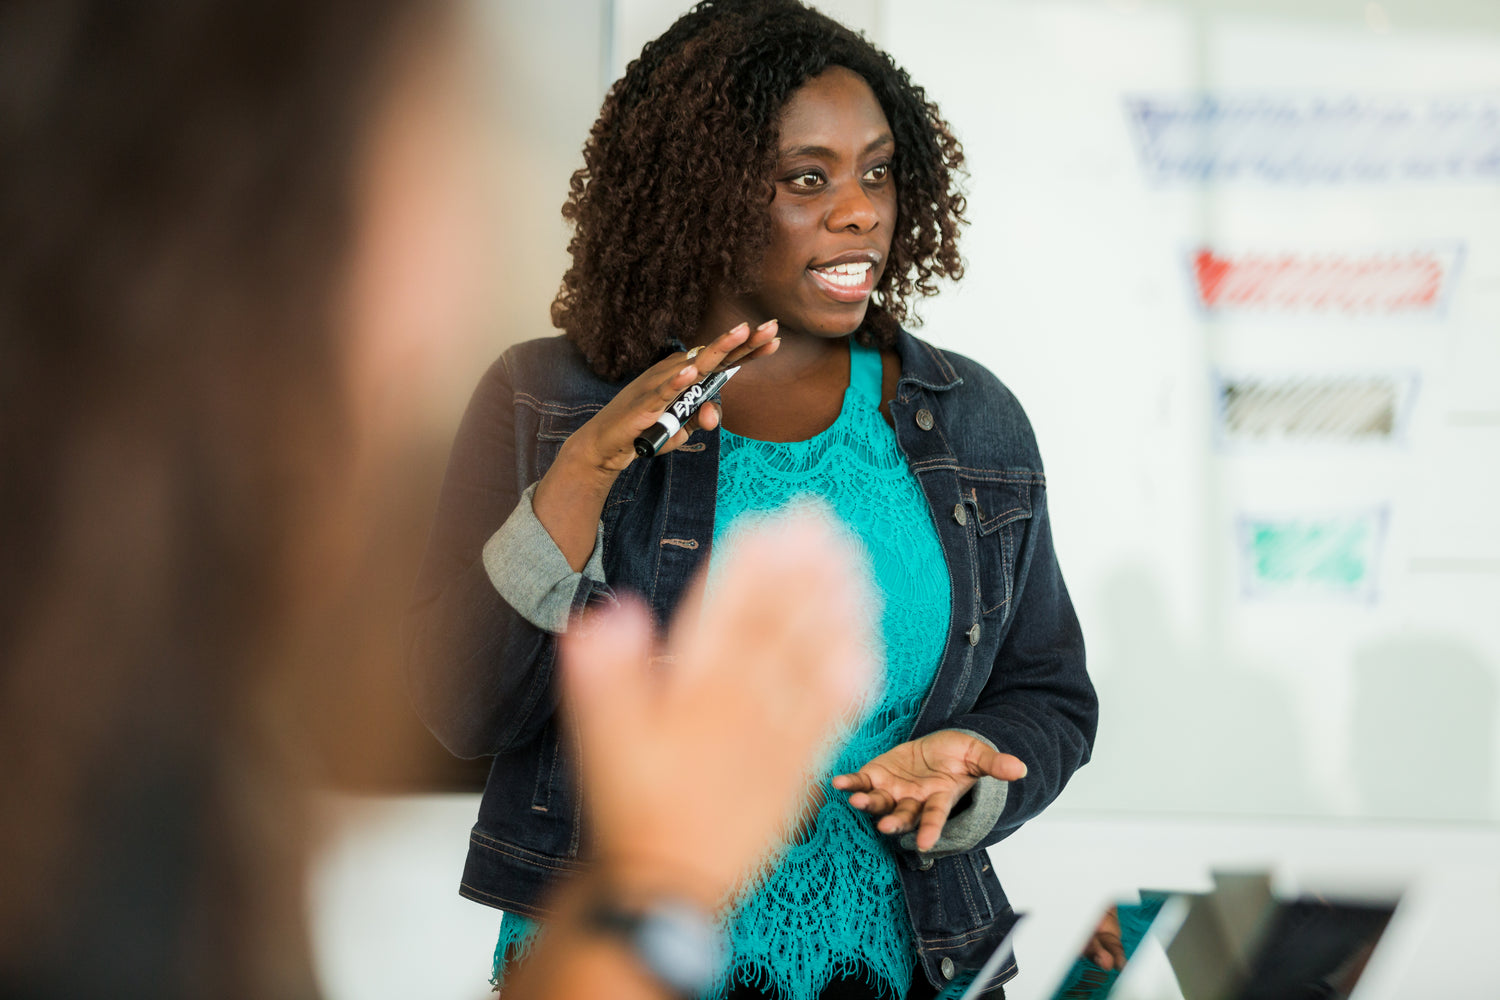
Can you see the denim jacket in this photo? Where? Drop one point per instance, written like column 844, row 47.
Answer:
column 1012, row 670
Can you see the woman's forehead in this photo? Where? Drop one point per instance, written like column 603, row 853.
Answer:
column 834, row 111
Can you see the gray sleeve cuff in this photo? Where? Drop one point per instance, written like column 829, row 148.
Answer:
column 526, row 568
column 964, row 830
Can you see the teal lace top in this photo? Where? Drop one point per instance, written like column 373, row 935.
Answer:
column 831, row 905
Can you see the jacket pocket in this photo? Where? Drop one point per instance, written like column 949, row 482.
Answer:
column 555, row 424
column 999, row 505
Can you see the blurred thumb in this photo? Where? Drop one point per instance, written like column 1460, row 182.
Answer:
column 604, row 663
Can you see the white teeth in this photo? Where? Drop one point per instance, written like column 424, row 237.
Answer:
column 851, row 275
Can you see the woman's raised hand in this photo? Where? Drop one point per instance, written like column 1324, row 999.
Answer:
column 607, row 441
column 914, row 786
column 571, row 495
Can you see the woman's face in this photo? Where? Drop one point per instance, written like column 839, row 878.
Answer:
column 834, row 209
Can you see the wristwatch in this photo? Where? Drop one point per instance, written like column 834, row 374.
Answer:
column 676, row 941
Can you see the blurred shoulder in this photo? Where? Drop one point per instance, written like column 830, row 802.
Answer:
column 550, row 368
column 543, row 354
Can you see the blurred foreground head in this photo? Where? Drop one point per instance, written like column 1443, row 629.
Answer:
column 184, row 327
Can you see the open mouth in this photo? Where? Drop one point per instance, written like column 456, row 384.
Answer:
column 848, row 282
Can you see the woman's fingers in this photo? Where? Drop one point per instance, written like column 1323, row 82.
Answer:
column 709, row 416
column 875, row 802
column 737, row 346
column 669, row 388
column 934, row 816
column 712, row 355
column 760, row 352
column 925, row 814
column 859, row 781
column 677, row 440
column 902, row 818
column 759, row 342
column 729, row 349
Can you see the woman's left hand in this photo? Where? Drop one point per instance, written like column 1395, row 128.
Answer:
column 914, row 786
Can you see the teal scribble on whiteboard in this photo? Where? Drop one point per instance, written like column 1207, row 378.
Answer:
column 1333, row 556
column 1329, row 554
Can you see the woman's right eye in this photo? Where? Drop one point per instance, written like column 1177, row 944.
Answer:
column 805, row 179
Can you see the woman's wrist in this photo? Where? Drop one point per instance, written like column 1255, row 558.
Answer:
column 573, row 480
column 568, row 502
column 584, row 471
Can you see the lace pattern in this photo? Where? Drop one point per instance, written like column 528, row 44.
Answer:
column 832, row 906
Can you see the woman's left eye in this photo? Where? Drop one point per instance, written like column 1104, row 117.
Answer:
column 878, row 173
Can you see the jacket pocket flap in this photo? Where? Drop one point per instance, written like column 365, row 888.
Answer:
column 998, row 498
column 559, row 425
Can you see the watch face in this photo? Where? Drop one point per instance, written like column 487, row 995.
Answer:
column 681, row 944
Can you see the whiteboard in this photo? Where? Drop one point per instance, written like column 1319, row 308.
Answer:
column 1244, row 274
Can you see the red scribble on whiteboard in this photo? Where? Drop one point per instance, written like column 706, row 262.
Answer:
column 1365, row 284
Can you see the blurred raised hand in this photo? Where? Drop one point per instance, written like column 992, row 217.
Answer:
column 695, row 760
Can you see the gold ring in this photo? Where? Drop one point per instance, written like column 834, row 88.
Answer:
column 694, row 352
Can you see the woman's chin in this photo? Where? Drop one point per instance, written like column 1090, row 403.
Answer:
column 833, row 327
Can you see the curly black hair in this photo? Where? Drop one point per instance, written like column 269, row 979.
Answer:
column 671, row 201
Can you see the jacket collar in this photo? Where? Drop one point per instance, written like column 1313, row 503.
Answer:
column 924, row 365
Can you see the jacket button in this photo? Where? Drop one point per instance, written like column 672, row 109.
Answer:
column 974, row 635
column 959, row 514
column 925, row 863
column 924, row 419
column 947, row 967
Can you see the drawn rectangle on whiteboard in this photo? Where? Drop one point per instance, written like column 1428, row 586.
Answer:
column 1371, row 283
column 1315, row 556
column 1188, row 139
column 1298, row 409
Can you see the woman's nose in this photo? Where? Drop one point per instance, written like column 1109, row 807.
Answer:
column 852, row 210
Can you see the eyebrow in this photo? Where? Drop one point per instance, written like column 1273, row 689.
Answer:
column 824, row 152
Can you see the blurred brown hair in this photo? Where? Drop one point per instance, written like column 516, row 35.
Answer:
column 177, row 200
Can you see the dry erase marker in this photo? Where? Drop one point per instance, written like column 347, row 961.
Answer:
column 680, row 412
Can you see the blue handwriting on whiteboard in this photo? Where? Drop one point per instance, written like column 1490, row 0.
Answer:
column 1207, row 138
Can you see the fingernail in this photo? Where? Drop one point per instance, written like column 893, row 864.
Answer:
column 766, row 325
column 741, row 327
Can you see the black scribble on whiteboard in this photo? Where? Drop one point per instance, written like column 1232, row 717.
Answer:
column 1311, row 408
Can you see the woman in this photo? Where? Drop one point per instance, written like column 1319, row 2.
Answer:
column 763, row 171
